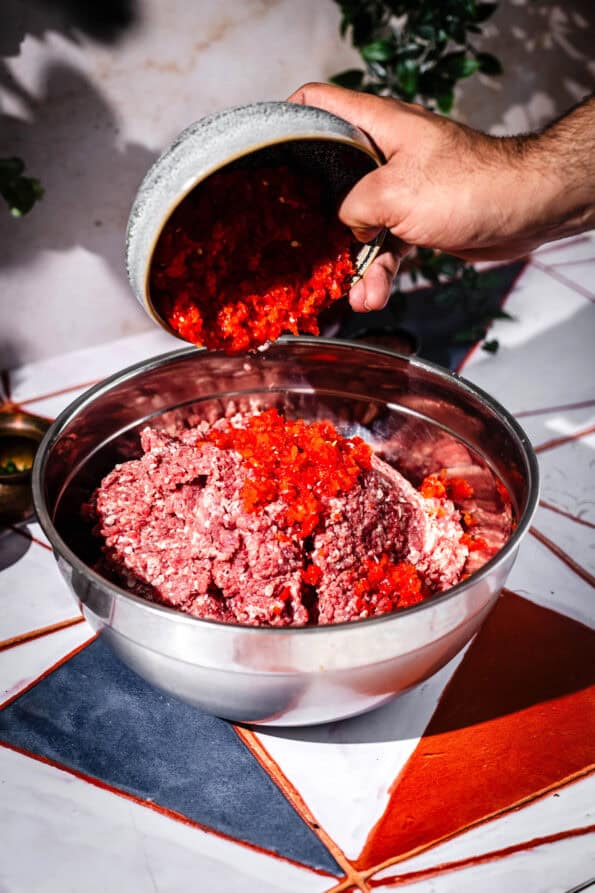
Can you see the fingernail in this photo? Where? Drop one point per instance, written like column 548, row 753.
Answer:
column 365, row 234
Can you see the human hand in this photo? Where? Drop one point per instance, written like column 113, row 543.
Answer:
column 444, row 186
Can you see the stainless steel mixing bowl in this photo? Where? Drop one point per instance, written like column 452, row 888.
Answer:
column 289, row 676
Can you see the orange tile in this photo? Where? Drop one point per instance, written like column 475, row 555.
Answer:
column 516, row 719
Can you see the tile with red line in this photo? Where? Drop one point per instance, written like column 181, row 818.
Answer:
column 26, row 606
column 479, row 779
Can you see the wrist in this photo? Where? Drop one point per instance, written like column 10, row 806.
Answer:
column 533, row 191
column 556, row 191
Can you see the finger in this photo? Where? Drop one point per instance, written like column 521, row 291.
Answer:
column 366, row 233
column 373, row 291
column 366, row 111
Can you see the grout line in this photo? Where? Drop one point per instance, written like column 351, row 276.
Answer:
column 584, row 885
column 563, row 243
column 578, row 569
column 558, row 511
column 423, row 874
column 38, row 633
column 29, row 536
column 513, row 807
column 570, row 263
column 261, row 754
column 584, row 404
column 566, row 438
column 155, row 807
column 74, row 387
column 564, row 280
column 346, row 885
column 47, row 672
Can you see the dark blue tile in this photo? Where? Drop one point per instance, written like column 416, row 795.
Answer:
column 437, row 323
column 95, row 715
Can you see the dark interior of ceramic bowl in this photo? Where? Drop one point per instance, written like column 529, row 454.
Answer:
column 417, row 419
column 333, row 165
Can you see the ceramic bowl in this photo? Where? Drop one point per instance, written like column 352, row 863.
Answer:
column 408, row 410
column 266, row 133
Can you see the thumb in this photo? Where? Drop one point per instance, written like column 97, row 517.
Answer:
column 371, row 205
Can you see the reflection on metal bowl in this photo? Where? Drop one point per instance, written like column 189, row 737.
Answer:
column 414, row 414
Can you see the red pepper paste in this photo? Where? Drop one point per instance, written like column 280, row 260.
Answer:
column 249, row 255
column 385, row 585
column 440, row 486
column 302, row 464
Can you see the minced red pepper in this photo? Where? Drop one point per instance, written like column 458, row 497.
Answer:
column 384, row 586
column 299, row 463
column 249, row 255
column 440, row 486
column 474, row 543
column 312, row 575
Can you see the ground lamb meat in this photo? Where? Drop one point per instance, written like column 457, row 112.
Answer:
column 175, row 528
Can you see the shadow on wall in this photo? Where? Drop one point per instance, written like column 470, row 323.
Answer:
column 547, row 54
column 84, row 182
column 105, row 21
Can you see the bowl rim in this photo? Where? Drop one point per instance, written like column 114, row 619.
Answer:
column 60, row 548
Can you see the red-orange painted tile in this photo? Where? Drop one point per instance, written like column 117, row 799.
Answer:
column 517, row 718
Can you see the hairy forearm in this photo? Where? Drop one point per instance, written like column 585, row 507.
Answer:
column 558, row 168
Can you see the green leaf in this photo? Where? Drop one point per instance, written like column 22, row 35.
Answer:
column 458, row 65
column 378, row 51
column 434, row 83
column 19, row 192
column 491, row 346
column 377, row 89
column 426, row 32
column 488, row 64
column 455, row 29
column 445, row 102
column 363, row 27
column 449, row 266
column 10, row 169
column 484, row 11
column 469, row 8
column 352, row 78
column 502, row 314
column 407, row 73
column 410, row 51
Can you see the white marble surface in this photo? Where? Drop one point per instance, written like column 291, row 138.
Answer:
column 355, row 761
column 102, row 842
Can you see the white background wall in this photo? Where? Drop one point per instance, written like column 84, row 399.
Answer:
column 89, row 112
